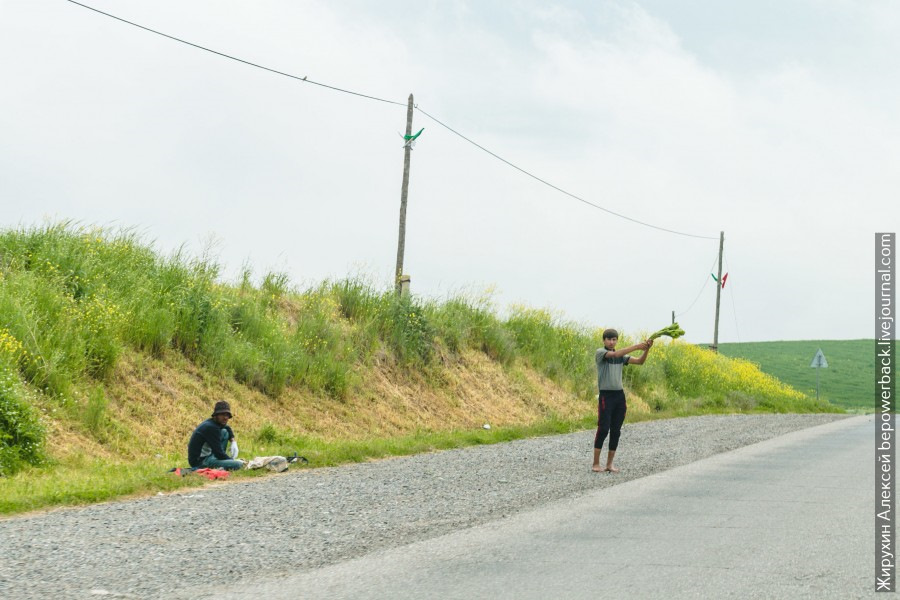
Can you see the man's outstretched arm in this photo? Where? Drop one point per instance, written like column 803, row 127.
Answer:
column 624, row 351
column 643, row 357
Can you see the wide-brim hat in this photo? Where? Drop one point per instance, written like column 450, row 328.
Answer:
column 221, row 408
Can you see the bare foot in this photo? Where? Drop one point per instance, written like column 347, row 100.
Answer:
column 612, row 469
column 597, row 469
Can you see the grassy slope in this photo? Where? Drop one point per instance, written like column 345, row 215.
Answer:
column 122, row 352
column 847, row 381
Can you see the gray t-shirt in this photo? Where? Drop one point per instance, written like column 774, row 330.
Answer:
column 609, row 370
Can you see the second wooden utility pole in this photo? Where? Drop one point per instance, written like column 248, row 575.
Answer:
column 715, row 344
column 404, row 191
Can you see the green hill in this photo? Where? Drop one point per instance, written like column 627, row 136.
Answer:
column 110, row 354
column 847, row 381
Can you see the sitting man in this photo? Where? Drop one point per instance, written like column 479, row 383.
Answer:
column 207, row 447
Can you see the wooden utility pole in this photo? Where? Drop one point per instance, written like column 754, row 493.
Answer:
column 715, row 344
column 404, row 190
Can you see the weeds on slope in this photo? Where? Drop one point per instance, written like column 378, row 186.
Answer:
column 73, row 299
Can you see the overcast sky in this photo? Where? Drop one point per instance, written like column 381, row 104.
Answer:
column 775, row 122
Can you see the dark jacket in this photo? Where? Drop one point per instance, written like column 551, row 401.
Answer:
column 210, row 433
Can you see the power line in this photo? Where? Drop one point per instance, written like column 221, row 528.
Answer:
column 705, row 283
column 559, row 189
column 240, row 60
column 442, row 124
column 733, row 308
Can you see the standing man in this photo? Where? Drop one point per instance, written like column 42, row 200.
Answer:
column 611, row 403
column 209, row 442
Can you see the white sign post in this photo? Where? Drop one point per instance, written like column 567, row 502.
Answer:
column 818, row 362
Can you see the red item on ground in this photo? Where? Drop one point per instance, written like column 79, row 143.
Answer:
column 212, row 473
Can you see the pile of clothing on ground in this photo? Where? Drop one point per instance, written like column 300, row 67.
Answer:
column 278, row 464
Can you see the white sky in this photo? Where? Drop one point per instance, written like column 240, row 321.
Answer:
column 776, row 122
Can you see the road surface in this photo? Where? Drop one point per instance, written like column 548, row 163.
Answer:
column 791, row 517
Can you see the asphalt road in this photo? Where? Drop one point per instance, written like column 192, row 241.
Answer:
column 791, row 517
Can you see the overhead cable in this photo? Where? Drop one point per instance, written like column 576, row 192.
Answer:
column 733, row 308
column 240, row 60
column 705, row 282
column 305, row 79
column 559, row 189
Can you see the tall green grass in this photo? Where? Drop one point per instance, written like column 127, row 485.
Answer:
column 74, row 298
column 21, row 432
column 563, row 351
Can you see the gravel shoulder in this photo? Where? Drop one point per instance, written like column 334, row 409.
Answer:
column 171, row 546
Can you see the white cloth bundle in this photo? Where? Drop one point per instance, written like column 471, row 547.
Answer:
column 273, row 463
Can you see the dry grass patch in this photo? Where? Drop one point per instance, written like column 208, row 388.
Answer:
column 159, row 401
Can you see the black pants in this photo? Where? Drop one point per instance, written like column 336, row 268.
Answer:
column 610, row 416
